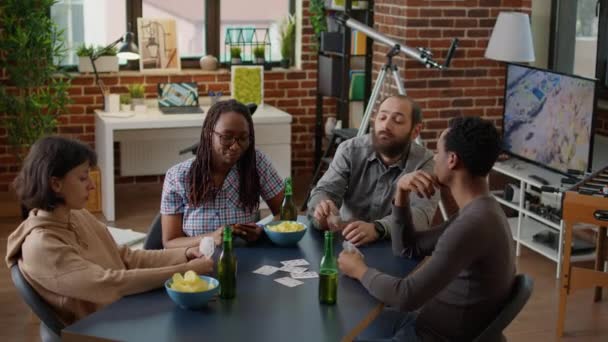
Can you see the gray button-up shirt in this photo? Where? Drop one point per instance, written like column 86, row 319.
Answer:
column 362, row 186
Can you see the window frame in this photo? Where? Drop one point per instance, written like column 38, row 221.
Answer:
column 212, row 30
column 601, row 67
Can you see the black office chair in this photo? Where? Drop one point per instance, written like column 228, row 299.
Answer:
column 154, row 239
column 192, row 149
column 50, row 325
column 522, row 289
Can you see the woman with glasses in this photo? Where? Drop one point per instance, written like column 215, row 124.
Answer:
column 222, row 185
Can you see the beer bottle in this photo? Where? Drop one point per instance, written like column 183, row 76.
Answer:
column 288, row 207
column 226, row 267
column 328, row 273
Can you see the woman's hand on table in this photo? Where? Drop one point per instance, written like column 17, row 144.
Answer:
column 201, row 265
column 352, row 264
column 250, row 232
column 216, row 235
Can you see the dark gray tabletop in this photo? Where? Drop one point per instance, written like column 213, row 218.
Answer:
column 263, row 310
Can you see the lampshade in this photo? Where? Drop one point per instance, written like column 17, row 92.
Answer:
column 511, row 39
column 128, row 49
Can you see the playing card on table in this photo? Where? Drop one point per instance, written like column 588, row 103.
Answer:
column 266, row 270
column 289, row 282
column 305, row 275
column 292, row 269
column 295, row 262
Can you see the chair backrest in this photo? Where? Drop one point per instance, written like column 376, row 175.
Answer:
column 522, row 289
column 154, row 239
column 41, row 308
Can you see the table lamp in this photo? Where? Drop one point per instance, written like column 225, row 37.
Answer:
column 128, row 50
column 511, row 39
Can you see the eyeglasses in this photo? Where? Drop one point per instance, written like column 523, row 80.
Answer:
column 229, row 140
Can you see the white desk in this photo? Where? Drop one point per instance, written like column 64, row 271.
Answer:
column 272, row 133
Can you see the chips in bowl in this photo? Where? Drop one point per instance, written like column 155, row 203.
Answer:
column 285, row 233
column 286, row 227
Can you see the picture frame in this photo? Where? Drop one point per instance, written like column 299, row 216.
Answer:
column 157, row 41
column 247, row 83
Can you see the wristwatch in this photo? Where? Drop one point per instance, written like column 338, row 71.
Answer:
column 380, row 230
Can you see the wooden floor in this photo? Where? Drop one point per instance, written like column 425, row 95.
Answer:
column 137, row 205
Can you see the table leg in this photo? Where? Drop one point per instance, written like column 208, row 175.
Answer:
column 104, row 146
column 565, row 278
column 600, row 251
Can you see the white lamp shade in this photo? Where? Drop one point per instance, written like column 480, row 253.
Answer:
column 511, row 39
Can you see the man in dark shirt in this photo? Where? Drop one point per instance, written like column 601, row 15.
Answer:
column 469, row 276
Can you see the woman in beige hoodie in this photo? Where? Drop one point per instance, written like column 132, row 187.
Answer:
column 64, row 252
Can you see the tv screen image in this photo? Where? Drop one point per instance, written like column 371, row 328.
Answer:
column 548, row 118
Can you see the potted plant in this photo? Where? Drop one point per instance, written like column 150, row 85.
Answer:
column 287, row 32
column 137, row 92
column 125, row 102
column 317, row 18
column 235, row 55
column 259, row 53
column 106, row 61
column 35, row 92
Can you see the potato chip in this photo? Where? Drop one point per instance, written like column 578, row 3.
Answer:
column 287, row 227
column 190, row 282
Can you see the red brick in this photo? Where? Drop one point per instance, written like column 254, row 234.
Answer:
column 83, row 80
column 274, row 76
column 180, row 78
column 156, row 79
column 296, row 75
column 288, row 84
column 478, row 13
column 131, row 79
column 82, row 119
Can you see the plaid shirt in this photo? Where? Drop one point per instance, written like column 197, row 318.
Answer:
column 226, row 208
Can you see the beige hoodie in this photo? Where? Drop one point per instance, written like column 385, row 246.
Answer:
column 77, row 267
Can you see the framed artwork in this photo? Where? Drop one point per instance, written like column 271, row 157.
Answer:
column 157, row 44
column 247, row 83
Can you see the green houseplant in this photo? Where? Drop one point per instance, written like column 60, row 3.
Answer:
column 235, row 55
column 317, row 18
column 287, row 32
column 106, row 61
column 125, row 102
column 137, row 92
column 36, row 93
column 259, row 52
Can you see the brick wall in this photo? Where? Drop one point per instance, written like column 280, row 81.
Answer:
column 473, row 85
column 290, row 90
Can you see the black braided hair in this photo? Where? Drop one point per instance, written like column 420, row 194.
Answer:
column 200, row 175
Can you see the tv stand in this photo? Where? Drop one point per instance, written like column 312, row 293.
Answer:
column 531, row 178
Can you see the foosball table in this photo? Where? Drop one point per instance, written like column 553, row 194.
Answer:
column 585, row 202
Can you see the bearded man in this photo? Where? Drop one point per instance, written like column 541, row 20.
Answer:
column 362, row 177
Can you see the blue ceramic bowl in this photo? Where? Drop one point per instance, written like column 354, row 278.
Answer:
column 284, row 239
column 193, row 300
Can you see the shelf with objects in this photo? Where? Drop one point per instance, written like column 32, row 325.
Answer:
column 343, row 67
column 534, row 194
column 548, row 130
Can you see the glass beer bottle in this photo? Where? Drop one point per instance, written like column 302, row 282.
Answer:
column 328, row 273
column 288, row 207
column 226, row 267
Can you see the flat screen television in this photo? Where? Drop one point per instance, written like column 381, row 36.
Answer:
column 548, row 118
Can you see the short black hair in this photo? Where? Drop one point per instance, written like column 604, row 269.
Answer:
column 51, row 156
column 416, row 110
column 475, row 141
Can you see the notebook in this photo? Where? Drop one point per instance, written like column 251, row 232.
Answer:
column 178, row 98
